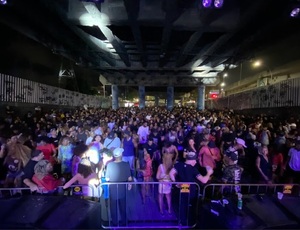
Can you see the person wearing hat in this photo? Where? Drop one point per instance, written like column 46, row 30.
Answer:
column 118, row 171
column 292, row 164
column 112, row 141
column 240, row 146
column 187, row 172
column 232, row 172
column 28, row 170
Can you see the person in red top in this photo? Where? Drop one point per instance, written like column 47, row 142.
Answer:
column 277, row 164
column 209, row 154
column 43, row 177
column 48, row 149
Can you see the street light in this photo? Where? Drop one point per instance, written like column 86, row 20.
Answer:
column 258, row 63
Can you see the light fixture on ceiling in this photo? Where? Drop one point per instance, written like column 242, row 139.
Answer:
column 213, row 3
column 206, row 3
column 295, row 12
column 218, row 3
column 95, row 1
column 3, row 2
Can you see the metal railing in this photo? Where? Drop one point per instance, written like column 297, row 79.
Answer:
column 142, row 209
column 212, row 191
column 73, row 190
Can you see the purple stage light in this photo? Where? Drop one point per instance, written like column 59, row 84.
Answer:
column 206, row 3
column 3, row 2
column 218, row 3
column 295, row 12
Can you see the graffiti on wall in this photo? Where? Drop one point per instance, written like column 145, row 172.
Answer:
column 14, row 89
column 282, row 94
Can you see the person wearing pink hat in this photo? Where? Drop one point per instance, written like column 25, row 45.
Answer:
column 241, row 142
column 239, row 145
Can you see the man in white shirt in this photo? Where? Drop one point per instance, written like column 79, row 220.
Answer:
column 293, row 164
column 112, row 141
column 143, row 132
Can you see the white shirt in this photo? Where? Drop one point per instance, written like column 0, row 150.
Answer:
column 295, row 159
column 88, row 140
column 143, row 133
column 98, row 131
column 112, row 143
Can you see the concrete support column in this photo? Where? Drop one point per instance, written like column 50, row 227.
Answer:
column 156, row 103
column 201, row 98
column 141, row 97
column 115, row 96
column 170, row 98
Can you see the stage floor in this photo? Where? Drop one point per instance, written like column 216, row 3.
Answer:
column 67, row 212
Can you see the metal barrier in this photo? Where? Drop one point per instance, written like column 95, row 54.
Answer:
column 213, row 191
column 134, row 208
column 73, row 190
column 127, row 209
column 6, row 192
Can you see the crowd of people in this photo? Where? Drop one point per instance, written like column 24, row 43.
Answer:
column 44, row 150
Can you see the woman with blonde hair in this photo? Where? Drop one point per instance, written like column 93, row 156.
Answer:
column 164, row 188
column 85, row 176
column 17, row 157
column 263, row 165
column 65, row 154
column 43, row 177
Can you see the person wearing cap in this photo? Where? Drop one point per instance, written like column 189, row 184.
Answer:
column 118, row 171
column 188, row 173
column 28, row 170
column 232, row 172
column 240, row 143
column 292, row 164
column 240, row 146
column 112, row 141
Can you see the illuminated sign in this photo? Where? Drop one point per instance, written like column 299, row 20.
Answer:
column 185, row 188
column 214, row 94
